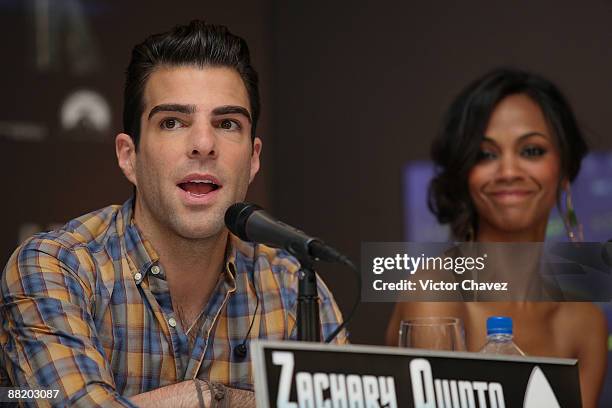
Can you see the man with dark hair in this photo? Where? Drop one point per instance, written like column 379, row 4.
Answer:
column 152, row 303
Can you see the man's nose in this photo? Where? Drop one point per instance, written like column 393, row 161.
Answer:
column 202, row 142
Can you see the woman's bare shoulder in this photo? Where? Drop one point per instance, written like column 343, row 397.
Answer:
column 582, row 318
column 581, row 312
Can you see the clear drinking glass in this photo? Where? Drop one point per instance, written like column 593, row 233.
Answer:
column 433, row 333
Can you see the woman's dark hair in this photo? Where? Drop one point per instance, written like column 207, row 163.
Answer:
column 196, row 44
column 456, row 147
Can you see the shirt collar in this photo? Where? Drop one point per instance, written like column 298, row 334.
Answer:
column 143, row 256
column 140, row 251
column 234, row 255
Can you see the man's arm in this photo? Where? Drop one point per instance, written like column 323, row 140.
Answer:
column 185, row 395
column 47, row 335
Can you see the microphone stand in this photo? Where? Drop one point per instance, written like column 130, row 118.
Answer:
column 308, row 322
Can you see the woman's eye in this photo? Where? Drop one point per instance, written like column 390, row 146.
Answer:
column 170, row 124
column 533, row 151
column 486, row 155
column 229, row 124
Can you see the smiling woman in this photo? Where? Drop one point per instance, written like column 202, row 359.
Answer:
column 504, row 105
column 508, row 150
column 515, row 181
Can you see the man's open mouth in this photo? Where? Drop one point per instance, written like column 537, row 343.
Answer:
column 199, row 187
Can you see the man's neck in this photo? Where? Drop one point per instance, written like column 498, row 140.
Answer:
column 192, row 267
column 191, row 261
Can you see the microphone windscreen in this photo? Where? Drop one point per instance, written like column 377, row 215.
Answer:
column 236, row 218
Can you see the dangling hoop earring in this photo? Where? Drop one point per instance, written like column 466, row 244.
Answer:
column 573, row 227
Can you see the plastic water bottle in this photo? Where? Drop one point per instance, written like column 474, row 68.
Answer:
column 499, row 337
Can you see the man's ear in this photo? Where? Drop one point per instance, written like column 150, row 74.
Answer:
column 126, row 156
column 257, row 145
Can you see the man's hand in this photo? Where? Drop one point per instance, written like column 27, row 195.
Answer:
column 185, row 395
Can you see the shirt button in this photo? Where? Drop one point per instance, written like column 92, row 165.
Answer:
column 155, row 269
column 137, row 276
column 172, row 322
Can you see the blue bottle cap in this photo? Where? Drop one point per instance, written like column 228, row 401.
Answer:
column 499, row 325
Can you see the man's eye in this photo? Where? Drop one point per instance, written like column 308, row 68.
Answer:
column 229, row 124
column 170, row 124
column 486, row 155
column 533, row 151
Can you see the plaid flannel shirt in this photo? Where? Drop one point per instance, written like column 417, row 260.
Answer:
column 86, row 310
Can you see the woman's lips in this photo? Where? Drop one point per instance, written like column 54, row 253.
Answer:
column 509, row 196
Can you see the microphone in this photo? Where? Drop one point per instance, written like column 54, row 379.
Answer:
column 252, row 224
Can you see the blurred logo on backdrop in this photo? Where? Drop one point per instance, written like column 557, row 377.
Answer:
column 85, row 115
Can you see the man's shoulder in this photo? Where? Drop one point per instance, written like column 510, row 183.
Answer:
column 257, row 257
column 91, row 228
column 89, row 232
column 279, row 259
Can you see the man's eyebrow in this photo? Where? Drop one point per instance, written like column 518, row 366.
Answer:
column 172, row 107
column 227, row 109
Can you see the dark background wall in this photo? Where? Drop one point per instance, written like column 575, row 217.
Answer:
column 351, row 92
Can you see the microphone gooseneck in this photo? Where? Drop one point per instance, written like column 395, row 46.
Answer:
column 252, row 224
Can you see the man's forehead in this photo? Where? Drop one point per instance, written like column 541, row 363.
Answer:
column 205, row 88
